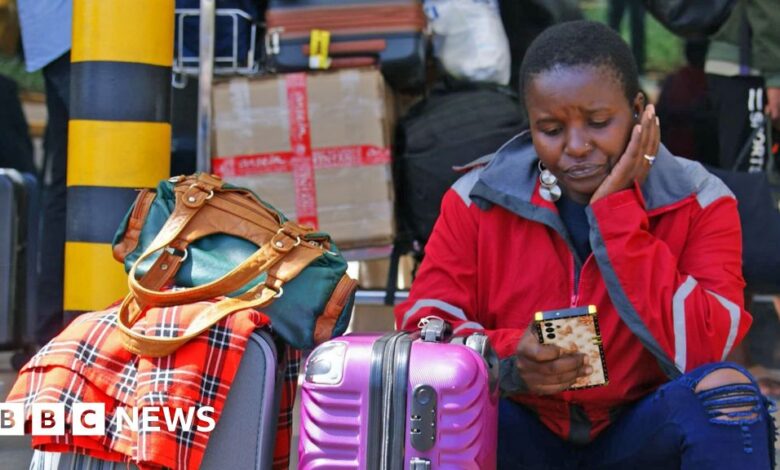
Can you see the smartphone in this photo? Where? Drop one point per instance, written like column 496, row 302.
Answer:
column 575, row 330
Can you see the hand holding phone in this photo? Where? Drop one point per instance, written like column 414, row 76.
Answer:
column 546, row 369
column 575, row 330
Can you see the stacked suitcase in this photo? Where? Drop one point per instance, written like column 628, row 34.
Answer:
column 388, row 33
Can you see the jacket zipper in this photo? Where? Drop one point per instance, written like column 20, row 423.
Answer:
column 574, row 283
column 577, row 279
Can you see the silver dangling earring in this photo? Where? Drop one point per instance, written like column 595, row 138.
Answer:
column 549, row 189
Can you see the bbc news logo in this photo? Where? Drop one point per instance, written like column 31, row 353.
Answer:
column 89, row 419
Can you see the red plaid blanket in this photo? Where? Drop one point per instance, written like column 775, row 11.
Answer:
column 86, row 363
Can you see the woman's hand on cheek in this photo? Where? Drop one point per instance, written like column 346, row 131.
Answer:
column 545, row 368
column 632, row 165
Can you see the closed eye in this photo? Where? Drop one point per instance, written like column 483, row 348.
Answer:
column 600, row 123
column 552, row 131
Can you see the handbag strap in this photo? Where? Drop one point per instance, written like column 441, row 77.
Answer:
column 188, row 203
column 226, row 212
column 258, row 296
column 156, row 346
column 262, row 260
column 282, row 258
column 203, row 208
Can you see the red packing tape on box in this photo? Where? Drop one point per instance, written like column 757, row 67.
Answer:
column 301, row 160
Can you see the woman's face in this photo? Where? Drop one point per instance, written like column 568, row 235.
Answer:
column 580, row 124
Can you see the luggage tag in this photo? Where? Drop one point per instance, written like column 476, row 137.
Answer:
column 319, row 44
column 575, row 330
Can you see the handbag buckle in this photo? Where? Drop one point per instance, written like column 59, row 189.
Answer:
column 273, row 284
column 279, row 292
column 192, row 199
column 278, row 244
column 173, row 251
column 197, row 185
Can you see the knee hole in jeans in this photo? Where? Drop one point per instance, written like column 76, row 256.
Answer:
column 731, row 398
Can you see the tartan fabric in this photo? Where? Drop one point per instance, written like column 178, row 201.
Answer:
column 286, row 404
column 87, row 363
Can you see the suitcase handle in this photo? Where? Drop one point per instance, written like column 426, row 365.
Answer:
column 366, row 46
column 435, row 330
column 352, row 53
column 352, row 62
column 480, row 343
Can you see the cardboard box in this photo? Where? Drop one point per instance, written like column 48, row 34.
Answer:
column 371, row 318
column 372, row 273
column 9, row 28
column 316, row 146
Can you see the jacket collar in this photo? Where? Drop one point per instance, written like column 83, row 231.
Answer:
column 510, row 180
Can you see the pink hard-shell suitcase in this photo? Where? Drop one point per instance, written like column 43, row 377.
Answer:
column 400, row 401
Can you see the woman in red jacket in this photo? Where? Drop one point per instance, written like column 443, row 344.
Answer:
column 587, row 208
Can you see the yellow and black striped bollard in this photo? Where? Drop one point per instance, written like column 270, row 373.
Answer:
column 119, row 134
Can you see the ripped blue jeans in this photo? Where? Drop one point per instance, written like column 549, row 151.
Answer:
column 671, row 428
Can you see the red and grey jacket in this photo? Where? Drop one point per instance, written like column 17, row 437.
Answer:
column 665, row 275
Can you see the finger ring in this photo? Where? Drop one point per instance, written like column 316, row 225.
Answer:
column 650, row 158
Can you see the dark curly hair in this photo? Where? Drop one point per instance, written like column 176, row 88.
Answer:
column 581, row 43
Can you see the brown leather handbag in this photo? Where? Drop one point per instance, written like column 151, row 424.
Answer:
column 211, row 239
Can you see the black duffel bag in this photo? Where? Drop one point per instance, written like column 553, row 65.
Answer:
column 691, row 19
column 457, row 123
column 760, row 221
column 758, row 199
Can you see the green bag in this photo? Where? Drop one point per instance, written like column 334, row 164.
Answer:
column 200, row 233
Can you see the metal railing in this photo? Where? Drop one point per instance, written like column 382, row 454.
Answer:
column 228, row 64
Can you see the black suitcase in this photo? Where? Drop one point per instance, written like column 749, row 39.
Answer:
column 19, row 207
column 388, row 33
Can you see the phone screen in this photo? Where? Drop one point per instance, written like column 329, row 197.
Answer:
column 575, row 330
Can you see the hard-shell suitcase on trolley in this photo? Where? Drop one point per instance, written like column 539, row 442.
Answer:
column 245, row 434
column 18, row 256
column 400, row 401
column 362, row 32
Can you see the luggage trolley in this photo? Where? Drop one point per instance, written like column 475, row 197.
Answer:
column 208, row 64
column 246, row 432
